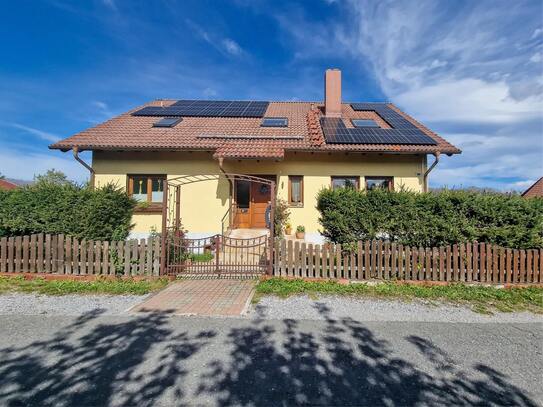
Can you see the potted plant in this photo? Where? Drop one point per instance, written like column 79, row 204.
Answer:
column 300, row 232
column 288, row 229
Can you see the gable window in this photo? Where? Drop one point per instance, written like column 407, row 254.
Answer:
column 345, row 182
column 379, row 182
column 295, row 190
column 364, row 123
column 274, row 122
column 147, row 189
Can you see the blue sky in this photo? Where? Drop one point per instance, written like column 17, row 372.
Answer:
column 472, row 71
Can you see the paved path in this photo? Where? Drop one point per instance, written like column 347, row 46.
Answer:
column 157, row 359
column 206, row 297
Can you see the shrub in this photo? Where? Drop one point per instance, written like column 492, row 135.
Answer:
column 431, row 219
column 282, row 214
column 79, row 211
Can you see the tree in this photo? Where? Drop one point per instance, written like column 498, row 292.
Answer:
column 53, row 176
column 2, row 176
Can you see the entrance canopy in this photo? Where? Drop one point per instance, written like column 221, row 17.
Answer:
column 172, row 209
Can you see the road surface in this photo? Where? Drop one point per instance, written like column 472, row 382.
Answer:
column 158, row 359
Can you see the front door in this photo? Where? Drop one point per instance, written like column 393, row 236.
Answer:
column 251, row 201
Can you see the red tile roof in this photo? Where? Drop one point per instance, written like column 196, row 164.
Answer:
column 535, row 190
column 5, row 184
column 239, row 137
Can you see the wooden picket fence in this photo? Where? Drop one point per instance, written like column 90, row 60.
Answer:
column 472, row 262
column 61, row 254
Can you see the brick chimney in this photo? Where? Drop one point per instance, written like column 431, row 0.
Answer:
column 332, row 93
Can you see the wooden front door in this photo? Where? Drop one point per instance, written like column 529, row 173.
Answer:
column 251, row 200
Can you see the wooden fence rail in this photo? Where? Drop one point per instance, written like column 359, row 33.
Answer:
column 61, row 254
column 471, row 262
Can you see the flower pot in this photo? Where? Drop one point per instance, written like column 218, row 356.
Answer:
column 288, row 231
column 300, row 235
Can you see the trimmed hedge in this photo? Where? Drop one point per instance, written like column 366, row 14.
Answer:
column 78, row 211
column 431, row 219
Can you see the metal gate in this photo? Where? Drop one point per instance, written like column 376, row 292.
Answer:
column 217, row 255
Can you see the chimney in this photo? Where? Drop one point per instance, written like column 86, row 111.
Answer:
column 332, row 93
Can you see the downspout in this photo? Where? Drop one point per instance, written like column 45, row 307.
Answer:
column 436, row 161
column 75, row 150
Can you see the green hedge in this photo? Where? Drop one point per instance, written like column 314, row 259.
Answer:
column 431, row 219
column 46, row 207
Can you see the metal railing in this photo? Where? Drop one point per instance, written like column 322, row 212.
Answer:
column 227, row 219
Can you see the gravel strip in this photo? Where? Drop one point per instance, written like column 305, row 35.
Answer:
column 335, row 307
column 73, row 304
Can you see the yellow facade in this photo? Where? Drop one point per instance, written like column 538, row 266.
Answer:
column 203, row 204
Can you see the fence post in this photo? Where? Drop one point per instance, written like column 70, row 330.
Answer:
column 3, row 254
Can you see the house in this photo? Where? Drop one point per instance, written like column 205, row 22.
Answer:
column 5, row 184
column 535, row 190
column 302, row 146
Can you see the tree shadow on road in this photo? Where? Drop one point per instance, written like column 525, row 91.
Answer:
column 145, row 360
column 89, row 366
column 345, row 364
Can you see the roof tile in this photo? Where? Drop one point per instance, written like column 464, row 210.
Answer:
column 304, row 133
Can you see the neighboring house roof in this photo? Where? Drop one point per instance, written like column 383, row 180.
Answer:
column 535, row 190
column 5, row 184
column 240, row 137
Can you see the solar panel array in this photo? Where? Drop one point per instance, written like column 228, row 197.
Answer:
column 207, row 108
column 392, row 117
column 335, row 132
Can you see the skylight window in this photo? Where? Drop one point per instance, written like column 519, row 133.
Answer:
column 364, row 123
column 274, row 122
column 167, row 122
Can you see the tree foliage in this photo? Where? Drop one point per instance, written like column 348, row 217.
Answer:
column 55, row 206
column 431, row 219
column 53, row 176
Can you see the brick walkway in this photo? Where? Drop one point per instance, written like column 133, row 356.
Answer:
column 213, row 297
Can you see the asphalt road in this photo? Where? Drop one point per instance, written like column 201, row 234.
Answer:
column 153, row 360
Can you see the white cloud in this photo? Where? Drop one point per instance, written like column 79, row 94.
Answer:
column 232, row 47
column 467, row 71
column 209, row 92
column 25, row 165
column 468, row 100
column 40, row 133
column 224, row 45
column 536, row 58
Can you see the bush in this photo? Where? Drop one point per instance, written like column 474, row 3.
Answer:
column 282, row 214
column 431, row 219
column 50, row 207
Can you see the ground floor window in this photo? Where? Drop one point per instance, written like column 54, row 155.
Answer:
column 295, row 190
column 345, row 182
column 379, row 182
column 147, row 188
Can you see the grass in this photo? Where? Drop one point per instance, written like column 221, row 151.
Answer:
column 63, row 287
column 201, row 257
column 482, row 299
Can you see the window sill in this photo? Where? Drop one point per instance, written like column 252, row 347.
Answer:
column 149, row 209
column 291, row 205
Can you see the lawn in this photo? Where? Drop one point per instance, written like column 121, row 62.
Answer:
column 482, row 299
column 63, row 287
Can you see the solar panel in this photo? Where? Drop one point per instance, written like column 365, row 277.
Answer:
column 207, row 108
column 364, row 123
column 335, row 132
column 396, row 120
